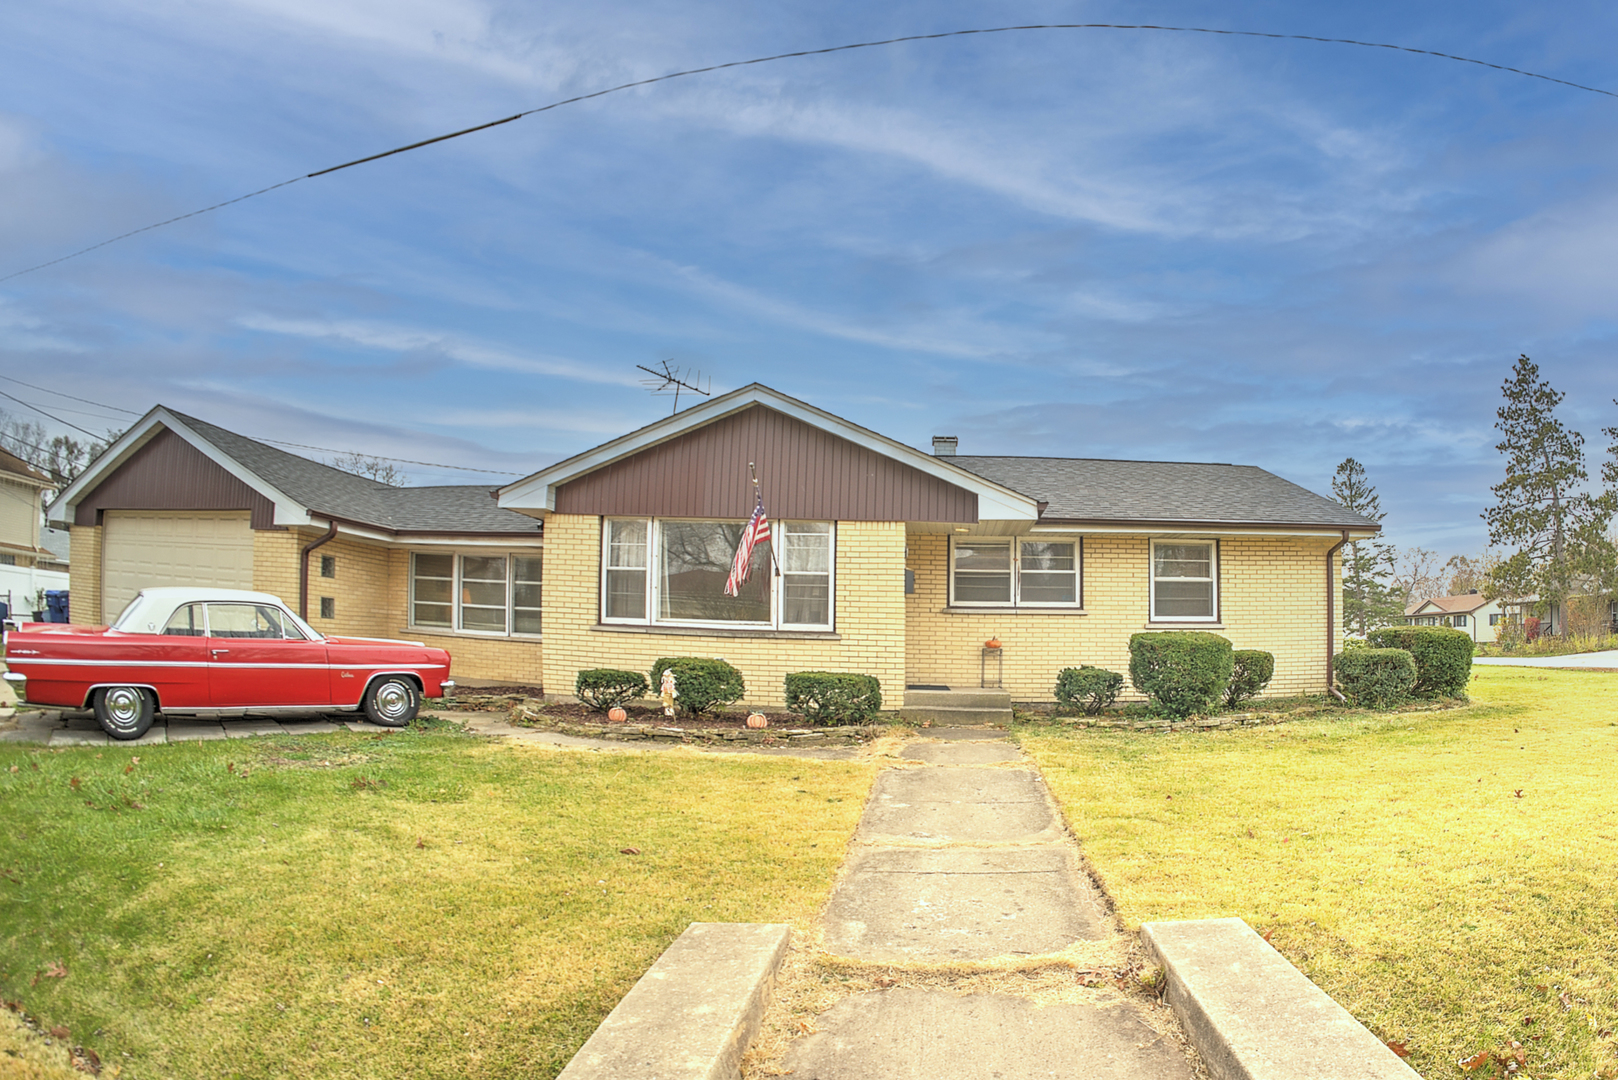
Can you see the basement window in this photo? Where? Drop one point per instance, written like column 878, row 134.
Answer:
column 328, row 566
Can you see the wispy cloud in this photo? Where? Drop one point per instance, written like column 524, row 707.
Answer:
column 404, row 339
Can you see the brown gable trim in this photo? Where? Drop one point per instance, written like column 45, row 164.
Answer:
column 168, row 473
column 805, row 473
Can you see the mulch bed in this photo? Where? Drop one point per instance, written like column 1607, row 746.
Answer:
column 502, row 698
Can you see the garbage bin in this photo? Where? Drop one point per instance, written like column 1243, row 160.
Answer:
column 56, row 605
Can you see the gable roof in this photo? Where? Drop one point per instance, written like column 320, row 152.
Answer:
column 302, row 489
column 1086, row 490
column 537, row 493
column 1463, row 604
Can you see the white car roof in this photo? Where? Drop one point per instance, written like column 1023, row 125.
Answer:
column 149, row 612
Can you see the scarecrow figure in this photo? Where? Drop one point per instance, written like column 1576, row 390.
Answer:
column 667, row 692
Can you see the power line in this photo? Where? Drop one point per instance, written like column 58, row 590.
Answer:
column 278, row 442
column 794, row 55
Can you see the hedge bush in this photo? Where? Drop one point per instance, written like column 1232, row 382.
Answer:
column 1183, row 671
column 1253, row 670
column 701, row 684
column 1443, row 656
column 1088, row 688
column 602, row 688
column 833, row 697
column 1376, row 678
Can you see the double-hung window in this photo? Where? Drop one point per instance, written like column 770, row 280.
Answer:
column 1020, row 573
column 477, row 594
column 1185, row 580
column 665, row 571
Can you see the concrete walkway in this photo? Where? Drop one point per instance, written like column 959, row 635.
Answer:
column 1605, row 659
column 961, row 865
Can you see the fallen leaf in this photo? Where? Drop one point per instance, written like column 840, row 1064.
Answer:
column 74, row 783
column 14, row 768
column 421, row 842
column 1528, row 1020
column 1268, row 932
column 807, row 1028
column 136, row 760
column 230, row 766
column 85, row 1060
column 55, row 970
column 1566, row 1001
column 1475, row 1061
column 1518, row 793
column 128, row 769
column 629, row 851
column 1400, row 1048
column 60, row 1032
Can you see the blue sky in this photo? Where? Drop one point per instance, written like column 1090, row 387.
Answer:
column 1087, row 243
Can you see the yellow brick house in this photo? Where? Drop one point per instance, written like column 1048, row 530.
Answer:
column 900, row 564
column 179, row 501
column 883, row 559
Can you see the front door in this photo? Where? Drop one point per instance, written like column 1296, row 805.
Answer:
column 257, row 658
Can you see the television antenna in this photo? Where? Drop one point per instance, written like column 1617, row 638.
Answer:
column 669, row 379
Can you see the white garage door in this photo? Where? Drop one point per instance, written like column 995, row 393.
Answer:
column 142, row 548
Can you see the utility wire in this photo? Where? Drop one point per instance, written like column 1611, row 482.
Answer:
column 278, row 442
column 793, row 55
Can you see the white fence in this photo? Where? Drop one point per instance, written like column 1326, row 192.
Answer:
column 19, row 585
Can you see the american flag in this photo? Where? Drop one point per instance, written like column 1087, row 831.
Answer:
column 757, row 529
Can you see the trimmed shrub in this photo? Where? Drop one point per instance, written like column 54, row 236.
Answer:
column 602, row 688
column 1254, row 668
column 1376, row 678
column 702, row 684
column 1183, row 671
column 833, row 697
column 1443, row 656
column 1088, row 688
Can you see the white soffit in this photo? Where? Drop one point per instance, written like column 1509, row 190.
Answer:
column 538, row 492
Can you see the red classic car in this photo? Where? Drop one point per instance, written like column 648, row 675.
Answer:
column 217, row 652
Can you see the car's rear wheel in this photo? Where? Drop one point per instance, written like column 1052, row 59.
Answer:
column 124, row 712
column 392, row 701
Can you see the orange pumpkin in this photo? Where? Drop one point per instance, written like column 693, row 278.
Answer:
column 758, row 720
column 617, row 715
column 992, row 643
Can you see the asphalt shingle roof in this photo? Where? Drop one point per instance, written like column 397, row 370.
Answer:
column 1094, row 489
column 328, row 490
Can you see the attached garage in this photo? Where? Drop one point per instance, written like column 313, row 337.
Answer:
column 142, row 548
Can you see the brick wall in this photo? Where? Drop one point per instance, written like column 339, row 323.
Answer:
column 869, row 615
column 84, row 574
column 1272, row 597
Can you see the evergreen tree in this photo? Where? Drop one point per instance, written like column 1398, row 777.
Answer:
column 1541, row 514
column 1368, row 599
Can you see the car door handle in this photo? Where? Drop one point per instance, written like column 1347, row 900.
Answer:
column 219, row 652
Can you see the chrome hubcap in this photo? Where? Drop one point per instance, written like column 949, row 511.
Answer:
column 393, row 700
column 124, row 705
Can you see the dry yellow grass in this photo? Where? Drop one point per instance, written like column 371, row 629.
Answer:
column 1451, row 878
column 411, row 905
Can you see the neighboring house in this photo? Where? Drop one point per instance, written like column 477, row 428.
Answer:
column 884, row 560
column 27, row 565
column 1469, row 611
column 901, row 564
column 177, row 501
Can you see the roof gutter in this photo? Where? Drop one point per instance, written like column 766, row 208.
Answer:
column 1331, row 618
column 303, row 569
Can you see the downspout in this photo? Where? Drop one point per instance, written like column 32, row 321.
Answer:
column 331, row 534
column 1331, row 619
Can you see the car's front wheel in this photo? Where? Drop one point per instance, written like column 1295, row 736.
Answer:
column 392, row 702
column 124, row 712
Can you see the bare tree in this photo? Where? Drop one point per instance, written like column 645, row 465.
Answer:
column 61, row 457
column 1418, row 576
column 1469, row 573
column 375, row 468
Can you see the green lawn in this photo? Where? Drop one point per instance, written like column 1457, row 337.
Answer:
column 415, row 904
column 1451, row 878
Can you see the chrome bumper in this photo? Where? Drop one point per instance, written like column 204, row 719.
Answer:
column 15, row 678
column 447, row 685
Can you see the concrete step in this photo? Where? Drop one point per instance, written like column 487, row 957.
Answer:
column 963, row 698
column 950, row 716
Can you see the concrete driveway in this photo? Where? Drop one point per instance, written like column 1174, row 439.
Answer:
column 1606, row 659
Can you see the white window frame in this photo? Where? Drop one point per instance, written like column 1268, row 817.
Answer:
column 455, row 628
column 777, row 587
column 1151, row 581
column 1016, row 603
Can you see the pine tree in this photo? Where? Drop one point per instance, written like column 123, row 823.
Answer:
column 1368, row 600
column 1541, row 514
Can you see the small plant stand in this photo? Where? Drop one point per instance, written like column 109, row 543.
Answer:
column 995, row 658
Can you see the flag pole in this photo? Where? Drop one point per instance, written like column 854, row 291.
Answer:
column 758, row 500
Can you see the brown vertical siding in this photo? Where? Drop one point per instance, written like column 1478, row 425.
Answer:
column 806, row 474
column 168, row 473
